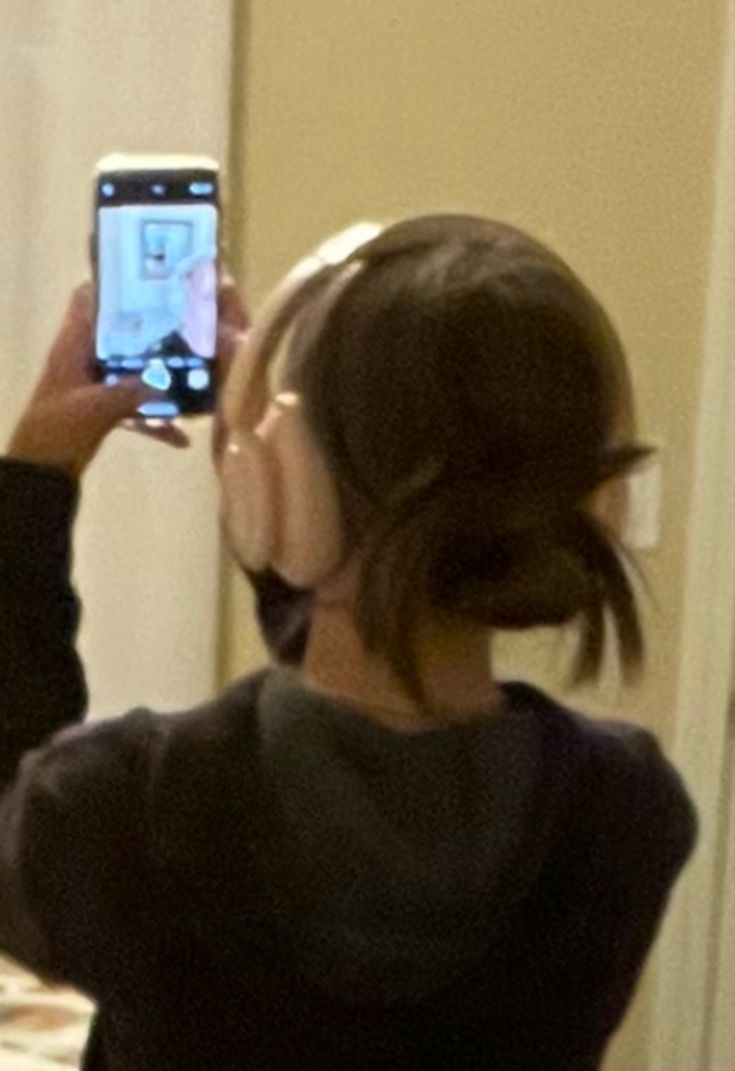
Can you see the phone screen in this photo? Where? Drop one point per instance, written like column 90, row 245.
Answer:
column 156, row 237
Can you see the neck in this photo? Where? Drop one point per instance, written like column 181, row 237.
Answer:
column 454, row 662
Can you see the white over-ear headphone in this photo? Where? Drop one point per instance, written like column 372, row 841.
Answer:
column 279, row 503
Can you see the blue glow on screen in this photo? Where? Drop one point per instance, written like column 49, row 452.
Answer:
column 159, row 409
column 157, row 282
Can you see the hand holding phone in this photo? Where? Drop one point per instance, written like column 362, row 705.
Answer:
column 69, row 414
column 87, row 387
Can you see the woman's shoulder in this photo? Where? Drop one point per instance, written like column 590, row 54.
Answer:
column 632, row 788
column 143, row 738
column 612, row 740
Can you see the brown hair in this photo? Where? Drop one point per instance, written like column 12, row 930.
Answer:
column 466, row 388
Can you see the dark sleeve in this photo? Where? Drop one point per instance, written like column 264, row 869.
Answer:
column 283, row 615
column 75, row 835
column 648, row 838
column 42, row 685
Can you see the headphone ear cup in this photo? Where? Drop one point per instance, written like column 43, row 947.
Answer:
column 249, row 496
column 309, row 535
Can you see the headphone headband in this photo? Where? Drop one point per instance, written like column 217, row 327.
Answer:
column 296, row 290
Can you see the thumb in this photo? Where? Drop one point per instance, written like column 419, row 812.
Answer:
column 101, row 406
column 95, row 410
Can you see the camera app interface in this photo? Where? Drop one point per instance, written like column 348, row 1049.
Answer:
column 157, row 302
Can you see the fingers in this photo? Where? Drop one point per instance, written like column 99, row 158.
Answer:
column 66, row 429
column 129, row 397
column 82, row 303
column 75, row 340
column 218, row 439
column 107, row 408
column 169, row 434
column 228, row 339
column 102, row 407
column 233, row 320
column 232, row 311
column 70, row 360
column 71, row 413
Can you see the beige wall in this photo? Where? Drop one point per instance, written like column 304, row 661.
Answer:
column 590, row 124
column 79, row 79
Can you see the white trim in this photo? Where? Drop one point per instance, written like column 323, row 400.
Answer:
column 686, row 961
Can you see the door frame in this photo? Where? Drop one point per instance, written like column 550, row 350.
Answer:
column 686, row 961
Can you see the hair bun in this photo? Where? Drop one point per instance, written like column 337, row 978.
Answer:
column 512, row 580
column 545, row 585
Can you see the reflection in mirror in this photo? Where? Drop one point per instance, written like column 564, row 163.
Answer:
column 451, row 859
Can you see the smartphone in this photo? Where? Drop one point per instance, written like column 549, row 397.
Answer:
column 155, row 246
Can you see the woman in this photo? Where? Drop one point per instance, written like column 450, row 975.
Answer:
column 378, row 856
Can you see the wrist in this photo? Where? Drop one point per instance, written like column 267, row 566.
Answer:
column 43, row 459
column 33, row 443
column 27, row 467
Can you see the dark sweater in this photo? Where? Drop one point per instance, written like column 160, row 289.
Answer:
column 272, row 881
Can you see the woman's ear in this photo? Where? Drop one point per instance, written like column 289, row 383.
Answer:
column 611, row 504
